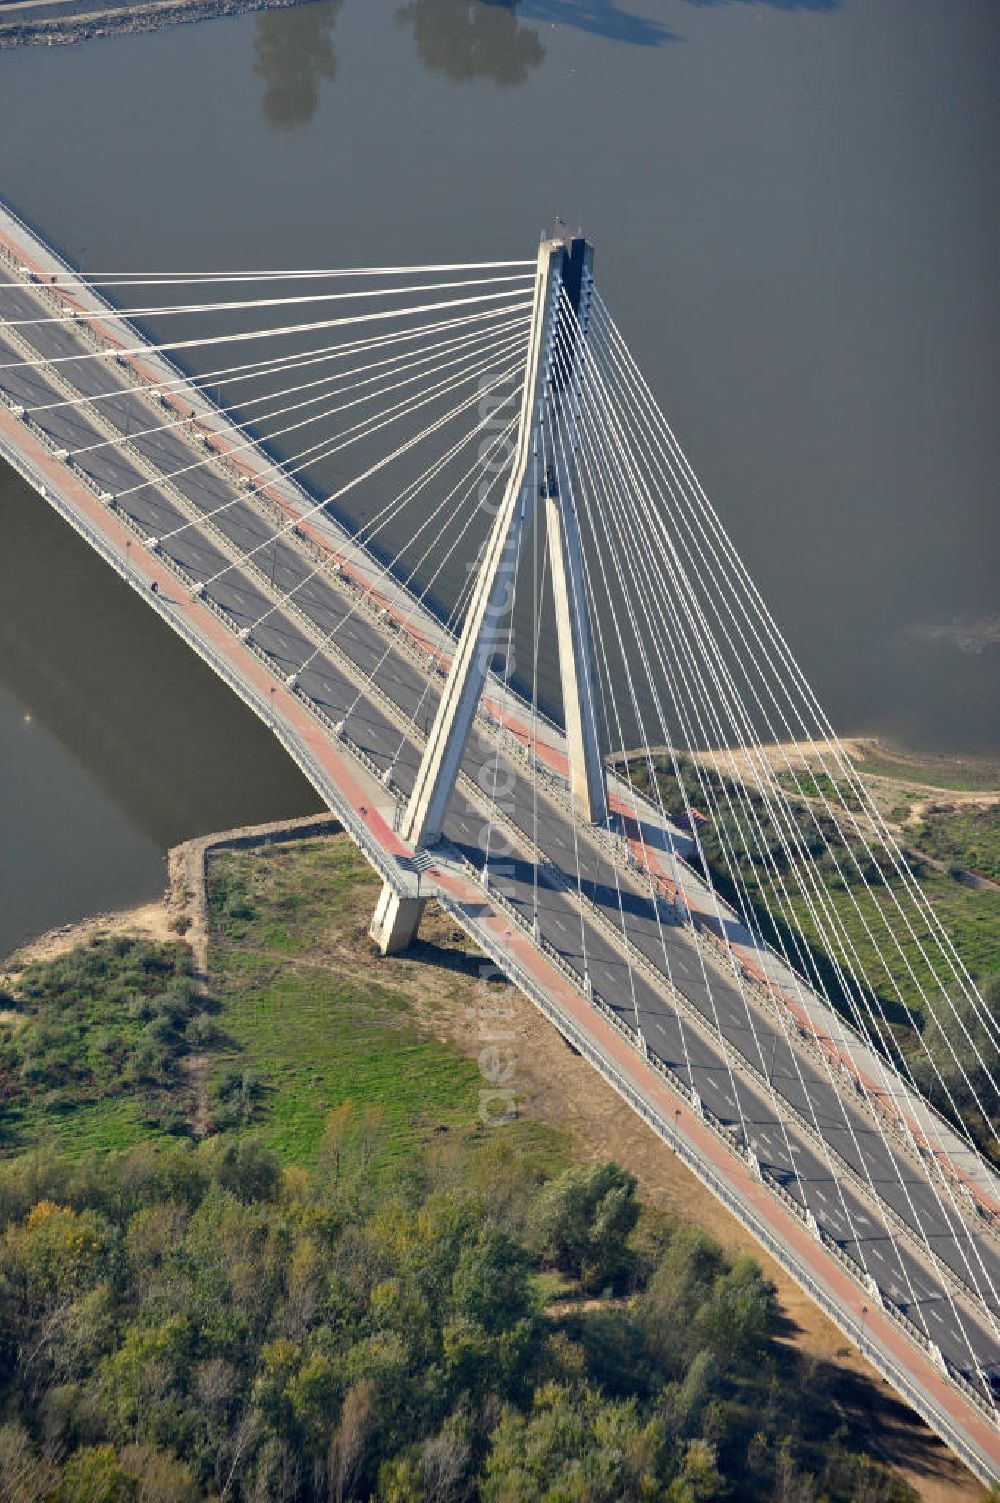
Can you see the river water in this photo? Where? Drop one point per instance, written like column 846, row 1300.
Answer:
column 796, row 208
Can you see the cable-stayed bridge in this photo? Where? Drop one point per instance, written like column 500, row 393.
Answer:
column 481, row 436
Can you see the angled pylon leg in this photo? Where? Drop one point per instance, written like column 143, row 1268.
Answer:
column 491, row 598
column 584, row 742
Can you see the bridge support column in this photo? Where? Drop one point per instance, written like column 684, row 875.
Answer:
column 396, row 920
column 584, row 739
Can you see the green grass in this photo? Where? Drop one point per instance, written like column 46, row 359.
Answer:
column 315, row 1025
column 961, row 835
column 92, row 1054
column 310, row 1019
column 970, row 916
column 316, row 1042
column 945, row 772
column 806, row 783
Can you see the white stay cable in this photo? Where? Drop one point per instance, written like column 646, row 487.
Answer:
column 585, row 477
column 606, row 547
column 380, row 316
column 416, row 603
column 386, row 572
column 196, row 278
column 861, row 835
column 785, row 848
column 975, row 1281
column 346, row 381
column 903, row 871
column 351, row 434
column 511, row 614
column 366, row 532
column 455, row 614
column 594, row 430
column 168, row 309
column 548, row 468
column 857, row 786
column 974, row 1278
column 559, row 421
column 257, row 370
column 835, row 1181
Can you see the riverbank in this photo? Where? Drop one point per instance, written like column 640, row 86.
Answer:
column 58, row 23
column 278, row 918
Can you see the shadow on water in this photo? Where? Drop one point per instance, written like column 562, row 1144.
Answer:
column 604, row 18
column 467, row 40
column 293, row 53
column 815, row 5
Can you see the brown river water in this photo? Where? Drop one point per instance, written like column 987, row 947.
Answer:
column 796, row 209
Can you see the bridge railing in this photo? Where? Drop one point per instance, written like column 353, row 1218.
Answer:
column 758, row 1226
column 731, row 1136
column 261, row 707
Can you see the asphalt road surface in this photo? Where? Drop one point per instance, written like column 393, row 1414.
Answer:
column 849, row 1216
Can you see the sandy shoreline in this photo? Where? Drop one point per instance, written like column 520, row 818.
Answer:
column 150, row 920
column 54, row 23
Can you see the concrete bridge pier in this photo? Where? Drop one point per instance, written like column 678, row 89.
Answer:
column 396, row 921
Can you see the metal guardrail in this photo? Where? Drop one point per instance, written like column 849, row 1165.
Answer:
column 293, row 744
column 316, row 774
column 896, row 1123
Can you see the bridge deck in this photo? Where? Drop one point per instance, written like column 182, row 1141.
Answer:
column 850, row 1174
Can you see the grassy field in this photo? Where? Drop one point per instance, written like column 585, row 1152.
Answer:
column 310, row 1017
column 94, row 1045
column 964, row 835
column 305, row 1017
column 970, row 916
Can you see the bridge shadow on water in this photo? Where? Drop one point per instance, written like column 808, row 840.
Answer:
column 789, row 5
column 603, row 18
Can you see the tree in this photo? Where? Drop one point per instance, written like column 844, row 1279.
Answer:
column 739, row 1316
column 444, row 1466
column 575, row 1445
column 700, row 1480
column 491, row 1281
column 93, row 1474
column 582, row 1220
column 677, row 1290
column 24, row 1476
column 347, row 1446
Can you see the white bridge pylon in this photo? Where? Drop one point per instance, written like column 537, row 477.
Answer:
column 564, row 274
